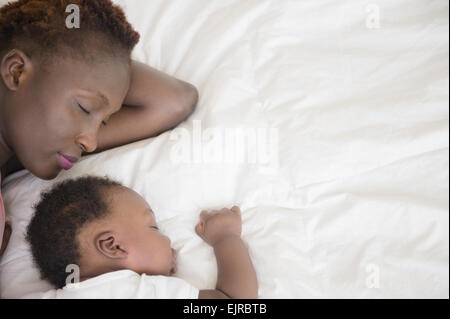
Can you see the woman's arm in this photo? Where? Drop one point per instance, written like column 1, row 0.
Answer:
column 155, row 103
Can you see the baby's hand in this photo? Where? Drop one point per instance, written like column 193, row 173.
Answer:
column 216, row 225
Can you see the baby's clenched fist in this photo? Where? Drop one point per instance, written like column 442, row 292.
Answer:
column 219, row 224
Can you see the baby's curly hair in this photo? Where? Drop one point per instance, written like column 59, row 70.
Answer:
column 59, row 216
column 38, row 28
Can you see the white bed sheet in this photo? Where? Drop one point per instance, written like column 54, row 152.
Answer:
column 354, row 203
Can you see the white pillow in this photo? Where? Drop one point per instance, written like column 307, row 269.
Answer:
column 18, row 275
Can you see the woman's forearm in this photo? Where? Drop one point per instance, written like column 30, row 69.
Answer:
column 236, row 276
column 155, row 102
column 134, row 123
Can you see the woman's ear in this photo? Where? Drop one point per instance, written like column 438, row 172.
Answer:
column 13, row 68
column 108, row 244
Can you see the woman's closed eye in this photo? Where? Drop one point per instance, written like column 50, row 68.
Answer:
column 154, row 227
column 83, row 109
column 88, row 113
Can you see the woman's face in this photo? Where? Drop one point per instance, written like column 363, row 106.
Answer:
column 55, row 115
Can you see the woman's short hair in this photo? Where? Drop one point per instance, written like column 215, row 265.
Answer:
column 39, row 29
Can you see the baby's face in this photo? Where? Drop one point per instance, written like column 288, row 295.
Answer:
column 137, row 237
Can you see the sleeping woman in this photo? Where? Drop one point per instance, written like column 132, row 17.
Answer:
column 66, row 92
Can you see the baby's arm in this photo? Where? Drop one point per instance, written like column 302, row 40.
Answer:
column 236, row 277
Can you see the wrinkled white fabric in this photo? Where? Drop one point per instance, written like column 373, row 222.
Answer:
column 132, row 286
column 346, row 193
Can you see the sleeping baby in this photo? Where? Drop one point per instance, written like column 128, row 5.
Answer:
column 109, row 234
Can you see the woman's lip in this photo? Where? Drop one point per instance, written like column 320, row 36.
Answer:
column 70, row 158
column 65, row 162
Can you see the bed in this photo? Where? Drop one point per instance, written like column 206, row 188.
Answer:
column 325, row 121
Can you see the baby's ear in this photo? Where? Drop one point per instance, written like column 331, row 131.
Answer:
column 107, row 243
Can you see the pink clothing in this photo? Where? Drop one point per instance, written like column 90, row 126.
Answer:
column 5, row 153
column 2, row 213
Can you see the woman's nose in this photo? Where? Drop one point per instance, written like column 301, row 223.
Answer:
column 87, row 141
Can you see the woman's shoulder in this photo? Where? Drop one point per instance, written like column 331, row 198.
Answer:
column 11, row 166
